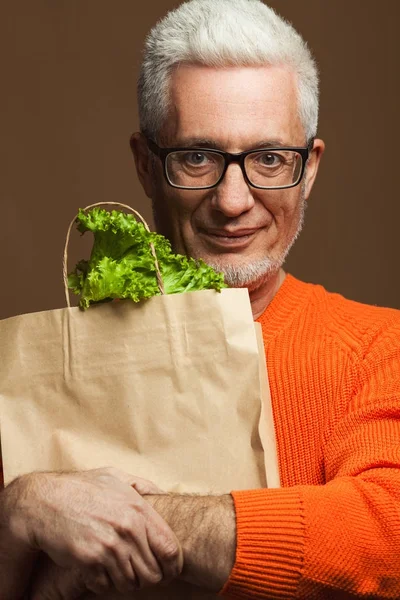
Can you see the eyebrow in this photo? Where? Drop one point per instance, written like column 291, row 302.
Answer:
column 213, row 144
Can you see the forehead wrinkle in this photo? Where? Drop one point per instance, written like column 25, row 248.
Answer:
column 235, row 119
column 256, row 109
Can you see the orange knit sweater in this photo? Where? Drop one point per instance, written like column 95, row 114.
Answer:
column 333, row 529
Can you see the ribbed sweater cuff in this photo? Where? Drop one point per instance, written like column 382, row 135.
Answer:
column 270, row 544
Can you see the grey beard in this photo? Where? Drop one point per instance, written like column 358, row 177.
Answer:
column 255, row 274
column 250, row 276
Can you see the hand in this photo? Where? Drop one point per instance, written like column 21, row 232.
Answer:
column 96, row 521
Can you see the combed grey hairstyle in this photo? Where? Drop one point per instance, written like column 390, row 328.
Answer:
column 221, row 33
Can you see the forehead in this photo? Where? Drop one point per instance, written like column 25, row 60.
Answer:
column 235, row 106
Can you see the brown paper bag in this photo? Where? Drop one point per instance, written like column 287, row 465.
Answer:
column 168, row 389
column 171, row 389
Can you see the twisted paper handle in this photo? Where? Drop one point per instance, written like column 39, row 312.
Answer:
column 65, row 258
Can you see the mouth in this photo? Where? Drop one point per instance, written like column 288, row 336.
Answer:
column 225, row 238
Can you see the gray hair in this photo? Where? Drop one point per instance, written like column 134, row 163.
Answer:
column 221, row 33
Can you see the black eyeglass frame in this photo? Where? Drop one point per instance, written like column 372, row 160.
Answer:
column 229, row 158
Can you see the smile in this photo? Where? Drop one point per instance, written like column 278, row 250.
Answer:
column 229, row 239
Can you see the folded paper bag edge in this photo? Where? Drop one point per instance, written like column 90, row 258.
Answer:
column 267, row 426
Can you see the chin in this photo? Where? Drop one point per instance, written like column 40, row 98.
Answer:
column 250, row 275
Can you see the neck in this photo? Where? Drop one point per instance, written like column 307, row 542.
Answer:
column 263, row 295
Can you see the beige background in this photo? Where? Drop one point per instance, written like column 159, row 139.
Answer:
column 68, row 106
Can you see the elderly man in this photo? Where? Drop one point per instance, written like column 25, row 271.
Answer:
column 228, row 154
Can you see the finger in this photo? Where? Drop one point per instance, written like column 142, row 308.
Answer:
column 122, row 575
column 143, row 487
column 166, row 548
column 155, row 549
column 131, row 563
column 69, row 582
column 123, row 476
column 144, row 563
column 97, row 580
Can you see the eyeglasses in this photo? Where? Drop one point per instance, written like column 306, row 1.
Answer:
column 201, row 168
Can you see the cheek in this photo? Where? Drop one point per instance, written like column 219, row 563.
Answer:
column 180, row 209
column 174, row 211
column 283, row 205
column 184, row 205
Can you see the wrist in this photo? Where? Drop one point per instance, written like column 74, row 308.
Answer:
column 206, row 529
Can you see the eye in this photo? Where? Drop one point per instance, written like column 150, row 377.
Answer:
column 269, row 159
column 196, row 159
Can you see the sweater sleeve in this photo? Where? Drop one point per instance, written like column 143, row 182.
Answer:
column 340, row 539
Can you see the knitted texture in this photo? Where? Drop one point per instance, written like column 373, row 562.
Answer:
column 333, row 529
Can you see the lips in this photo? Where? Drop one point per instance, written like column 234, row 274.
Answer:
column 228, row 239
column 225, row 233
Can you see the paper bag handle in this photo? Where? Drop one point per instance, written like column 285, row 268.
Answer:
column 141, row 219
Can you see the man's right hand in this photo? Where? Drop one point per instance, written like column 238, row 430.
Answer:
column 97, row 521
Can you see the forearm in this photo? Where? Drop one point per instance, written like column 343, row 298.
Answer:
column 206, row 529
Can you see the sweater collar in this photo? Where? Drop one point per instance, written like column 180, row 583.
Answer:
column 287, row 302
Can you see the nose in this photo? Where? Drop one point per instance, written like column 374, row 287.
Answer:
column 233, row 195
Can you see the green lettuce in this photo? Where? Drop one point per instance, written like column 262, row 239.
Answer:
column 122, row 265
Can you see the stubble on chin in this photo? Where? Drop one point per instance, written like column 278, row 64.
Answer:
column 251, row 275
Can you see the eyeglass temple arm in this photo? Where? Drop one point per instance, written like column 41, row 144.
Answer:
column 154, row 148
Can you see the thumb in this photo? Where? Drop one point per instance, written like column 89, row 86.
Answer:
column 142, row 486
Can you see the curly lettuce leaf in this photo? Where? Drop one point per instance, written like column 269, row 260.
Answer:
column 122, row 265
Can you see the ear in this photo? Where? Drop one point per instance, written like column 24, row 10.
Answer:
column 141, row 154
column 313, row 165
